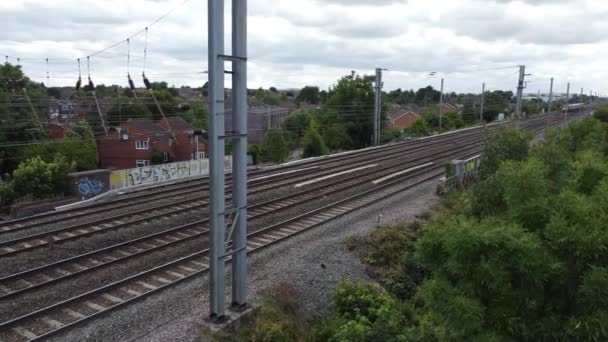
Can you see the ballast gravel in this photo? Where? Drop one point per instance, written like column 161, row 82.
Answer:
column 313, row 261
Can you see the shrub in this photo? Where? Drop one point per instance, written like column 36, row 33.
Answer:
column 40, row 179
column 507, row 144
column 313, row 145
column 274, row 147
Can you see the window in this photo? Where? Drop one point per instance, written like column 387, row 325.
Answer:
column 142, row 163
column 142, row 144
column 165, row 157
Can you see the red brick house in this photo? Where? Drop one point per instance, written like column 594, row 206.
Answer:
column 401, row 119
column 134, row 143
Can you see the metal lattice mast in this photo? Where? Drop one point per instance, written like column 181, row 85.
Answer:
column 377, row 106
column 550, row 96
column 483, row 99
column 520, row 91
column 567, row 104
column 216, row 159
column 441, row 106
column 239, row 153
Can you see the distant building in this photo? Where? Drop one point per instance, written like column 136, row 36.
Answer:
column 134, row 142
column 448, row 108
column 259, row 120
column 401, row 119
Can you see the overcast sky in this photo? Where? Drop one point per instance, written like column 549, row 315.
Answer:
column 313, row 42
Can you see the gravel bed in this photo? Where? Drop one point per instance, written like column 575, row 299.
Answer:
column 47, row 295
column 178, row 314
column 56, row 252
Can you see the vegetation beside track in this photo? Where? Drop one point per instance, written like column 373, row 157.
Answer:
column 518, row 256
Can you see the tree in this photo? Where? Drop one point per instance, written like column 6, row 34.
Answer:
column 18, row 123
column 39, row 179
column 351, row 103
column 601, row 113
column 299, row 121
column 309, row 94
column 418, row 128
column 274, row 146
column 336, row 137
column 469, row 111
column 313, row 145
column 197, row 114
column 507, row 144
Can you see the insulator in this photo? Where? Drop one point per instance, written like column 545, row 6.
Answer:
column 78, row 84
column 147, row 83
column 91, row 85
column 131, row 84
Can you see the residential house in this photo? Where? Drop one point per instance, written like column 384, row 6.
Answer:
column 448, row 108
column 134, row 142
column 402, row 119
column 399, row 116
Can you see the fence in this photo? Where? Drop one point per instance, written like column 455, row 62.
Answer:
column 460, row 172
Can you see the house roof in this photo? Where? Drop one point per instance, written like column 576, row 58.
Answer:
column 177, row 124
column 396, row 115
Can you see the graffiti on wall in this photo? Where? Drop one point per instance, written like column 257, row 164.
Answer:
column 158, row 173
column 89, row 187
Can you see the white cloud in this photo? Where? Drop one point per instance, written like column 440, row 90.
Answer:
column 299, row 42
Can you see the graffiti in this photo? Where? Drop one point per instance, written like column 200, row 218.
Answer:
column 157, row 173
column 89, row 187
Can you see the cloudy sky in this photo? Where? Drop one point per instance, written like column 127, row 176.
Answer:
column 313, row 42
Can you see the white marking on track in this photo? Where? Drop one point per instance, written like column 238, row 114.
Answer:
column 284, row 173
column 334, row 175
column 392, row 175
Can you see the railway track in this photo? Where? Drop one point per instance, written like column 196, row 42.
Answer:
column 22, row 282
column 142, row 216
column 60, row 316
column 188, row 187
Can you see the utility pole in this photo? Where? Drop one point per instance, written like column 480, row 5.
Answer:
column 550, row 96
column 580, row 107
column 377, row 106
column 567, row 104
column 520, row 91
column 217, row 135
column 483, row 98
column 217, row 261
column 441, row 107
column 239, row 154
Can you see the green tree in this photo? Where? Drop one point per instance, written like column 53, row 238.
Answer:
column 309, row 94
column 601, row 113
column 418, row 128
column 197, row 115
column 336, row 137
column 313, row 145
column 38, row 179
column 78, row 146
column 18, row 123
column 350, row 103
column 299, row 121
column 507, row 144
column 274, row 146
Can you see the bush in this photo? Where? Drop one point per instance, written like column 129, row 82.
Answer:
column 601, row 113
column 364, row 312
column 42, row 180
column 507, row 144
column 274, row 147
column 336, row 137
column 418, row 128
column 313, row 145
